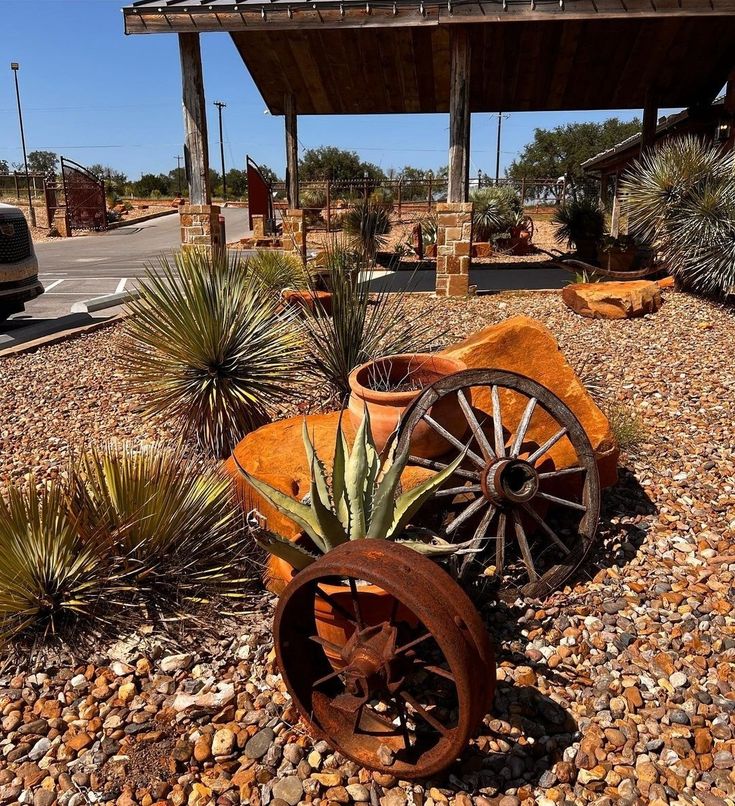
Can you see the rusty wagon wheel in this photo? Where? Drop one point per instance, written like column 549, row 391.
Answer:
column 527, row 510
column 528, row 225
column 385, row 657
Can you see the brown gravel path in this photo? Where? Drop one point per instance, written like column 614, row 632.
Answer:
column 617, row 690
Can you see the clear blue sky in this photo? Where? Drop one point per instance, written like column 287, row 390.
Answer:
column 97, row 96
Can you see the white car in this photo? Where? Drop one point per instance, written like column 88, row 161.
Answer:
column 18, row 264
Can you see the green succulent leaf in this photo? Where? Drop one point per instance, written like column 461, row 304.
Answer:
column 296, row 556
column 436, row 547
column 318, row 473
column 339, row 491
column 385, row 498
column 332, row 531
column 356, row 472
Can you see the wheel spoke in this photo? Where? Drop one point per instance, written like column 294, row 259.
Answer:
column 327, row 677
column 453, row 440
column 430, row 667
column 474, row 424
column 498, row 424
column 475, row 506
column 356, row 603
column 523, row 545
column 317, row 639
column 523, row 427
column 432, row 464
column 545, row 526
column 550, row 442
column 335, row 604
column 401, row 708
column 500, row 544
column 424, row 714
column 412, row 644
column 566, row 471
column 472, row 488
column 563, row 501
column 477, row 539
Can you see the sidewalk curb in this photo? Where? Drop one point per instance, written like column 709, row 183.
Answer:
column 149, row 217
column 105, row 301
column 57, row 338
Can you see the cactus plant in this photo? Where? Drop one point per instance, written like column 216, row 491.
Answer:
column 361, row 503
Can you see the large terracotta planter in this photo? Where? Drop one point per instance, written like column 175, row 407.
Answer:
column 386, row 408
column 375, row 606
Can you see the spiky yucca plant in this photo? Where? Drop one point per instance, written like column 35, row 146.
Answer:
column 207, row 348
column 496, row 209
column 579, row 221
column 681, row 198
column 362, row 501
column 361, row 324
column 176, row 528
column 368, row 224
column 277, row 270
column 51, row 579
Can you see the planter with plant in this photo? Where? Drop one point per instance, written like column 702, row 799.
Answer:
column 385, row 387
column 367, row 224
column 496, row 210
column 428, row 234
column 360, row 503
column 623, row 253
column 580, row 223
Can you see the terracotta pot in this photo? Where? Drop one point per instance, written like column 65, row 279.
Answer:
column 375, row 606
column 386, row 408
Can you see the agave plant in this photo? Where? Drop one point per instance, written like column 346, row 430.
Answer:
column 495, row 210
column 361, row 503
column 176, row 528
column 208, row 349
column 681, row 198
column 368, row 224
column 51, row 579
column 360, row 325
column 276, row 270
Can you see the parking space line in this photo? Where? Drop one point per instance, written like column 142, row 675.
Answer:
column 121, row 285
column 53, row 285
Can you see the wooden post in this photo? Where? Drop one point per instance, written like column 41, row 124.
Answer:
column 196, row 155
column 292, row 152
column 615, row 214
column 650, row 120
column 428, row 196
column 523, row 192
column 459, row 116
column 729, row 107
column 400, row 184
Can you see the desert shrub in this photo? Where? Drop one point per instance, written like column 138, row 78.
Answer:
column 628, row 427
column 313, row 201
column 367, row 225
column 680, row 197
column 174, row 527
column 496, row 210
column 578, row 222
column 207, row 348
column 277, row 270
column 156, row 194
column 52, row 581
column 382, row 197
column 362, row 324
column 428, row 229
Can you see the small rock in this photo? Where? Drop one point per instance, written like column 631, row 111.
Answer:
column 289, row 789
column 257, row 746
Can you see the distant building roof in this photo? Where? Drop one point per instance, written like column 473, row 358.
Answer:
column 664, row 124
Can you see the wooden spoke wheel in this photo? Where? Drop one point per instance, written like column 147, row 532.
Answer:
column 385, row 657
column 525, row 502
column 528, row 225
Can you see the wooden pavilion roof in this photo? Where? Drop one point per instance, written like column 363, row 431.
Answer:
column 380, row 56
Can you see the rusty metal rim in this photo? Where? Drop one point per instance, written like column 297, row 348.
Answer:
column 443, row 608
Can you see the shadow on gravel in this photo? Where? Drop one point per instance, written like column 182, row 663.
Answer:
column 522, row 738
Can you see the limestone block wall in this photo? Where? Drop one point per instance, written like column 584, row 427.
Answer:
column 294, row 232
column 199, row 225
column 453, row 248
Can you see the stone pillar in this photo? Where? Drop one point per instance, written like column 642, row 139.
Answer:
column 453, row 248
column 294, row 232
column 258, row 227
column 61, row 222
column 199, row 225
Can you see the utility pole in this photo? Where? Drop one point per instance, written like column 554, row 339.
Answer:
column 31, row 212
column 178, row 172
column 220, row 106
column 497, row 155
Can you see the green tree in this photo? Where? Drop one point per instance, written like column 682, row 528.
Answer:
column 115, row 181
column 561, row 151
column 269, row 174
column 42, row 162
column 150, row 182
column 336, row 164
column 237, row 183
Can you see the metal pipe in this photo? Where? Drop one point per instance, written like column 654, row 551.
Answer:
column 31, row 212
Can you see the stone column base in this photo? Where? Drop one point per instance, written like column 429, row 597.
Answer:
column 61, row 222
column 294, row 232
column 453, row 248
column 199, row 225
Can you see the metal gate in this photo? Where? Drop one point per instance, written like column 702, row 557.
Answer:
column 84, row 196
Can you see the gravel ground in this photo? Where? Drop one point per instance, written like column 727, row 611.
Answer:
column 618, row 689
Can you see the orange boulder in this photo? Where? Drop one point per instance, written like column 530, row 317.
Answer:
column 624, row 300
column 523, row 345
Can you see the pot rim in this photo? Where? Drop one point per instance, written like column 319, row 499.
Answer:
column 443, row 365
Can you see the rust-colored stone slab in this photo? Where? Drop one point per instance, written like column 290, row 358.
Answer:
column 624, row 300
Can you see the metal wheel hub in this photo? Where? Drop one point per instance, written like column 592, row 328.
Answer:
column 509, row 480
column 371, row 661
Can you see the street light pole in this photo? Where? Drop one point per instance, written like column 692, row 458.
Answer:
column 220, row 106
column 31, row 212
column 497, row 155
